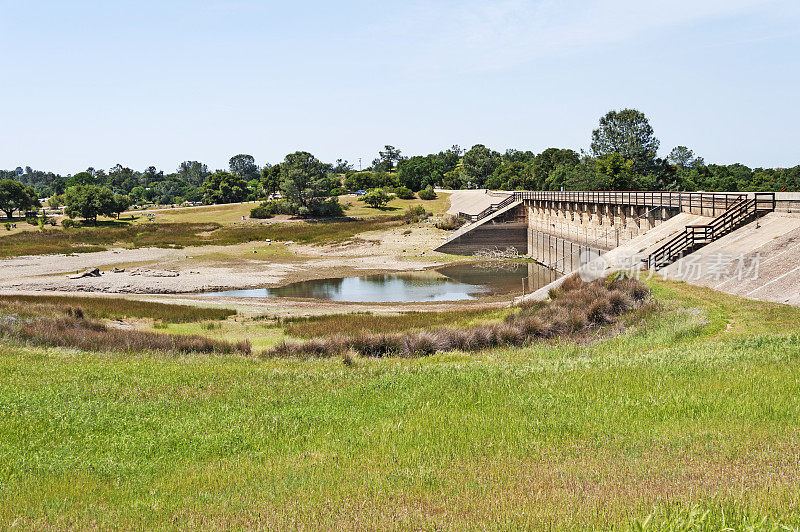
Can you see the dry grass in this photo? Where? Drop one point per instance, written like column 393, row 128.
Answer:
column 575, row 309
column 108, row 308
column 179, row 235
column 78, row 332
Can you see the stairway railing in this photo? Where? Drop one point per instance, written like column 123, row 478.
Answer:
column 695, row 236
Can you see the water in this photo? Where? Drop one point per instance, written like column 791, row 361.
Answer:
column 449, row 283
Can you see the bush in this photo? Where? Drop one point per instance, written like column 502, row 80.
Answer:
column 338, row 191
column 415, row 213
column 450, row 223
column 8, row 226
column 376, row 198
column 69, row 222
column 403, row 193
column 427, row 193
column 260, row 211
column 330, row 208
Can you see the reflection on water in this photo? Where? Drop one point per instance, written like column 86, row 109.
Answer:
column 449, row 283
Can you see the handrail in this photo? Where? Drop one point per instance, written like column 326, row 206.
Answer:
column 715, row 201
column 696, row 235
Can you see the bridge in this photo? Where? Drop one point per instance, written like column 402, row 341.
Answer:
column 661, row 231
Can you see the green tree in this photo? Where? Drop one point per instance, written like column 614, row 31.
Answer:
column 89, row 202
column 376, row 198
column 629, row 133
column 303, row 178
column 387, row 159
column 14, row 196
column 478, row 164
column 244, row 166
column 193, row 172
column 614, row 172
column 684, row 158
column 121, row 204
column 223, row 187
column 270, row 179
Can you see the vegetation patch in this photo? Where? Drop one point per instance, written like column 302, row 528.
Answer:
column 576, row 308
column 108, row 308
column 354, row 324
column 88, row 335
column 178, row 235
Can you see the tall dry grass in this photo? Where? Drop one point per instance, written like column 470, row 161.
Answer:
column 575, row 308
column 78, row 332
column 108, row 308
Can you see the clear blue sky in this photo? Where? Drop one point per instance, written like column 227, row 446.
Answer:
column 94, row 83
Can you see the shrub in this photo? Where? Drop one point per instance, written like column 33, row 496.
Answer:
column 404, row 193
column 427, row 193
column 260, row 212
column 415, row 213
column 338, row 191
column 94, row 336
column 449, row 222
column 376, row 198
column 69, row 222
column 7, row 226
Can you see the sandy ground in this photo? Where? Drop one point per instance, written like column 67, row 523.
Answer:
column 209, row 268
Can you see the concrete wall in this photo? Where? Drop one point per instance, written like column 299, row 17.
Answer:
column 491, row 235
column 565, row 234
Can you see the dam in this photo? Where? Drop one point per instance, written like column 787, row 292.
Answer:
column 664, row 232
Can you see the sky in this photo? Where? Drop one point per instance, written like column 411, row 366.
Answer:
column 96, row 83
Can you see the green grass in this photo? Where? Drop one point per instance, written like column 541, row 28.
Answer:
column 356, row 323
column 177, row 235
column 110, row 308
column 691, row 416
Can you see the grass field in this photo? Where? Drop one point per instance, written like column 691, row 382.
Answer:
column 359, row 209
column 689, row 420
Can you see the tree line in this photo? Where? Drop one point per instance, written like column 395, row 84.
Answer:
column 623, row 155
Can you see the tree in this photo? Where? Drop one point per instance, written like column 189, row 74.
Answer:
column 89, row 202
column 193, row 172
column 547, row 161
column 386, row 159
column 14, row 196
column 615, row 172
column 684, row 158
column 121, row 204
column 223, row 187
column 478, row 164
column 303, row 178
column 244, row 166
column 270, row 179
column 376, row 198
column 627, row 132
column 342, row 167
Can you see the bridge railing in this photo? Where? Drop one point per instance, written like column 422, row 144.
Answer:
column 701, row 201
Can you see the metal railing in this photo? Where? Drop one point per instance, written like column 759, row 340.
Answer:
column 698, row 201
column 695, row 236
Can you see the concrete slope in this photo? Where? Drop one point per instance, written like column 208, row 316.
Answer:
column 628, row 255
column 473, row 201
column 760, row 261
column 487, row 234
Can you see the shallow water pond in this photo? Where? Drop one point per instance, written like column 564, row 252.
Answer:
column 449, row 283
